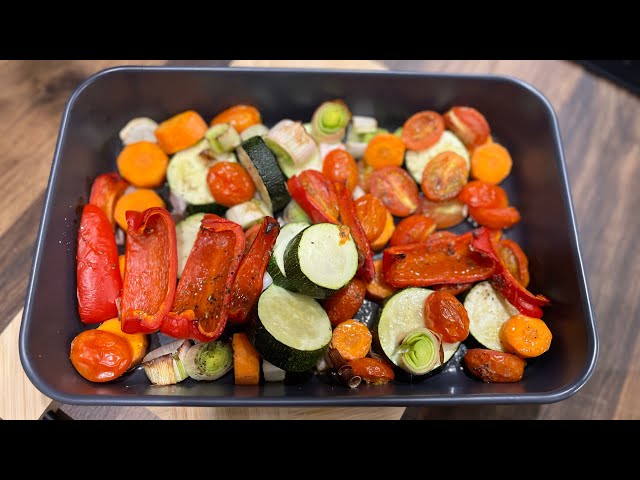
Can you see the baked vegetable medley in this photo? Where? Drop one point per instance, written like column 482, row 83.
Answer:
column 252, row 249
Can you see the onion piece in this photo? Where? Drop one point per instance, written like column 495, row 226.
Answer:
column 266, row 281
column 421, row 351
column 209, row 361
column 138, row 130
column 329, row 121
column 292, row 145
column 272, row 373
column 361, row 124
column 164, row 365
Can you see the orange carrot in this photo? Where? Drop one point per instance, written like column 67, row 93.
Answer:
column 240, row 117
column 138, row 200
column 490, row 163
column 384, row 150
column 180, row 131
column 378, row 290
column 246, row 360
column 137, row 341
column 389, row 227
column 121, row 263
column 352, row 339
column 143, row 164
column 525, row 336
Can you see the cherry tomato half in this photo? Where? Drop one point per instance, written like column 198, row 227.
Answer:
column 240, row 117
column 444, row 314
column 477, row 193
column 515, row 260
column 446, row 214
column 346, row 302
column 340, row 166
column 468, row 124
column 413, row 229
column 422, row 130
column 230, row 184
column 444, row 176
column 372, row 215
column 397, row 190
column 100, row 356
column 495, row 218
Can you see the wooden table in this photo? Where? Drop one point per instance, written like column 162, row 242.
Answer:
column 599, row 122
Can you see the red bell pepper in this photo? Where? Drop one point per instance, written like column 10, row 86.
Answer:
column 97, row 271
column 521, row 298
column 445, row 259
column 349, row 217
column 248, row 282
column 203, row 296
column 105, row 192
column 150, row 271
column 316, row 196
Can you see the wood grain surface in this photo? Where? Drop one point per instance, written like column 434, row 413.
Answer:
column 600, row 127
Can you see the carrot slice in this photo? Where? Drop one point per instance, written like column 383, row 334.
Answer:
column 180, row 131
column 139, row 201
column 143, row 164
column 491, row 163
column 384, row 150
column 422, row 130
column 378, row 289
column 137, row 341
column 352, row 339
column 246, row 360
column 240, row 117
column 525, row 336
column 444, row 176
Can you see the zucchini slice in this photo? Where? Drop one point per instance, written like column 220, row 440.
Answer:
column 402, row 313
column 261, row 164
column 321, row 259
column 276, row 262
column 187, row 175
column 186, row 233
column 293, row 331
column 487, row 310
column 415, row 161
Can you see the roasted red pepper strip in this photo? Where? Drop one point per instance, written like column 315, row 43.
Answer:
column 105, row 192
column 316, row 196
column 349, row 217
column 203, row 296
column 444, row 259
column 97, row 271
column 248, row 282
column 518, row 296
column 150, row 271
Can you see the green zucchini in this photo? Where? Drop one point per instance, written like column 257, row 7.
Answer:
column 187, row 179
column 186, row 233
column 276, row 262
column 487, row 310
column 321, row 259
column 415, row 161
column 401, row 314
column 292, row 331
column 261, row 164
